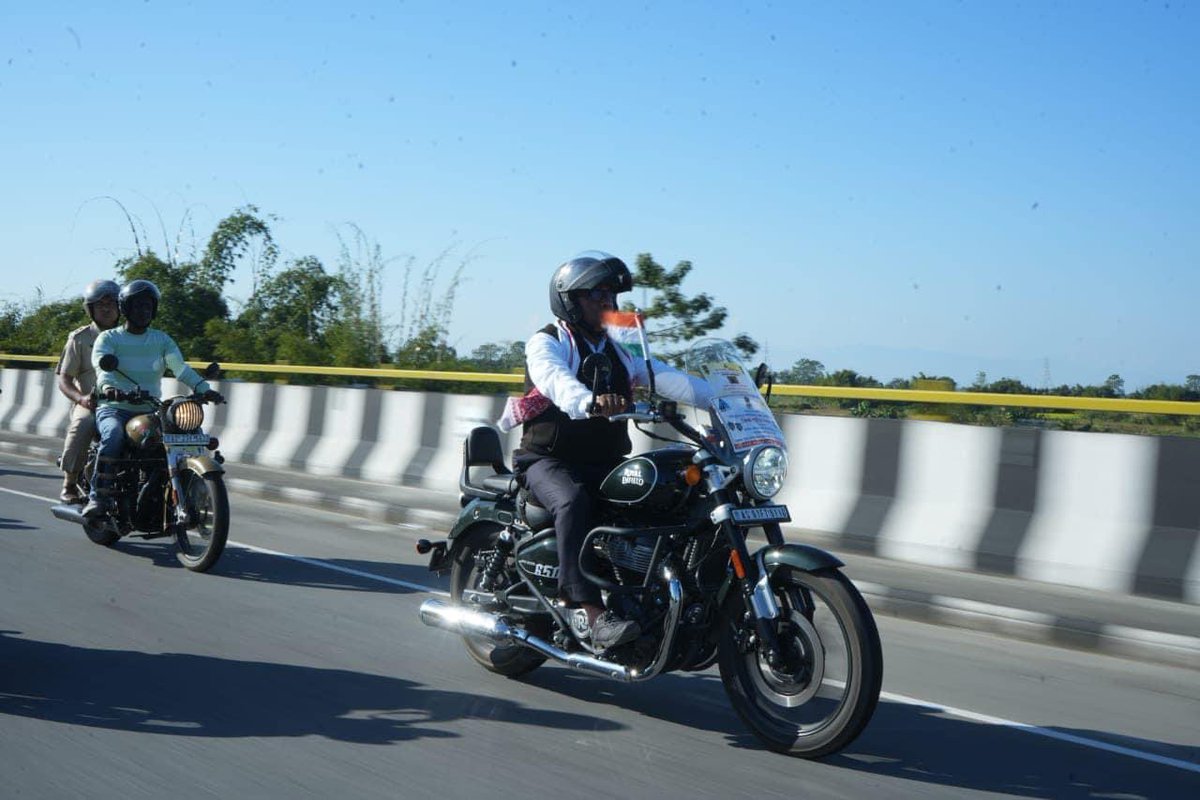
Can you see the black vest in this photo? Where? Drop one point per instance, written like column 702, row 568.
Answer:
column 594, row 440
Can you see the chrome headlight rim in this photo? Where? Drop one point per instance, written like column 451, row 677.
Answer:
column 762, row 479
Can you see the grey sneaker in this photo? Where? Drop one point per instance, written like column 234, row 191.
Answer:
column 611, row 631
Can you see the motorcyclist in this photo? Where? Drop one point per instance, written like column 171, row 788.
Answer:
column 567, row 445
column 77, row 381
column 144, row 354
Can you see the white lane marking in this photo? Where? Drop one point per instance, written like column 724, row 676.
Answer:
column 890, row 696
column 27, row 494
column 314, row 562
column 1049, row 733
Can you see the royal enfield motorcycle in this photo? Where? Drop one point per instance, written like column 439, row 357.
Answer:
column 168, row 482
column 796, row 645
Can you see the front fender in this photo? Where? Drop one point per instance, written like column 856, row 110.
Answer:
column 797, row 556
column 203, row 465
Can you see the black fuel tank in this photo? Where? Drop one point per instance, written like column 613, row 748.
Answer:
column 653, row 481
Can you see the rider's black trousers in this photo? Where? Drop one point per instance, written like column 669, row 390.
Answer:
column 566, row 489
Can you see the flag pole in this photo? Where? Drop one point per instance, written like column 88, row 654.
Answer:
column 637, row 316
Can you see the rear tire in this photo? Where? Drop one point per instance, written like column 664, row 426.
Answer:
column 777, row 704
column 105, row 536
column 200, row 544
column 511, row 661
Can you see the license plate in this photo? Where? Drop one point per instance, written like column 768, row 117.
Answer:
column 757, row 515
column 177, row 439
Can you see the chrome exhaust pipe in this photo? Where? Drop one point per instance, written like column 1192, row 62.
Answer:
column 70, row 513
column 469, row 622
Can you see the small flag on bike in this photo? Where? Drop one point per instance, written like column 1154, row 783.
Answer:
column 626, row 328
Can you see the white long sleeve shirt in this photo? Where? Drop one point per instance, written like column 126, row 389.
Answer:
column 553, row 363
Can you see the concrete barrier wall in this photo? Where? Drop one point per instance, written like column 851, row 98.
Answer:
column 1101, row 511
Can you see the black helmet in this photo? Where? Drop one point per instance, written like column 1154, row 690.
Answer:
column 588, row 270
column 133, row 289
column 97, row 290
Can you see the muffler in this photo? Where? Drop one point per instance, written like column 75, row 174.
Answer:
column 469, row 622
column 68, row 512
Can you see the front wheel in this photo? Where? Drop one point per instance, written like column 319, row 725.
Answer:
column 824, row 691
column 201, row 541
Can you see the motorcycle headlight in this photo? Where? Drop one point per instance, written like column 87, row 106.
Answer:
column 187, row 416
column 766, row 469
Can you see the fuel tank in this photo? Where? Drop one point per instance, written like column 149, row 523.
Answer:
column 653, row 481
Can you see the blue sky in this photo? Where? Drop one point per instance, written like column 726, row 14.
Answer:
column 893, row 188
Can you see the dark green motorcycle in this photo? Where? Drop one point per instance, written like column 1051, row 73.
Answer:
column 796, row 645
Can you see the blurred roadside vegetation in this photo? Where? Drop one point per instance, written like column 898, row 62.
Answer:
column 304, row 311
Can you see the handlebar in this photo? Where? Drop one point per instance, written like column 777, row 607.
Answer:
column 142, row 396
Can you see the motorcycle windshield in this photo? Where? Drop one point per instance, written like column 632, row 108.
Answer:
column 737, row 409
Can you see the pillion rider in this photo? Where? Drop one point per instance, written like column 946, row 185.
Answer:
column 77, row 381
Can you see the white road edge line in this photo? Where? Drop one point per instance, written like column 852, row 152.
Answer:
column 890, row 696
column 1049, row 733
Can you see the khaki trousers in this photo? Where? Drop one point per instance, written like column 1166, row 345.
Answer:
column 79, row 436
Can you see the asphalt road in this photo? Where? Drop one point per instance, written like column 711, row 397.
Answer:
column 124, row 675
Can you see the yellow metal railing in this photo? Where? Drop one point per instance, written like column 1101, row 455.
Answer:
column 1110, row 404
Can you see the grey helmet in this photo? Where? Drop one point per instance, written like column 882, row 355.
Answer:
column 588, row 270
column 98, row 290
column 133, row 289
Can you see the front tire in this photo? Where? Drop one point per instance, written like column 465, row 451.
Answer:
column 201, row 542
column 826, row 691
column 511, row 661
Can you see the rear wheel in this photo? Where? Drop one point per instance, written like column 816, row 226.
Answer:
column 511, row 660
column 824, row 691
column 200, row 543
column 104, row 534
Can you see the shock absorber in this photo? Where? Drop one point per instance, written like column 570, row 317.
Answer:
column 495, row 560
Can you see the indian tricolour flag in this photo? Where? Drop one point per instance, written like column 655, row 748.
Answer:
column 627, row 329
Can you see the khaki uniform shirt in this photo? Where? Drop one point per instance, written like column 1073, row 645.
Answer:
column 76, row 361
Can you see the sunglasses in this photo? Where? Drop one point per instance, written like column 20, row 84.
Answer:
column 599, row 294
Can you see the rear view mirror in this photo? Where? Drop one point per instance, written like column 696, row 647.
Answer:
column 761, row 375
column 109, row 362
column 212, row 371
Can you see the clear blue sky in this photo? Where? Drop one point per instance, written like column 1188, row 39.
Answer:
column 888, row 187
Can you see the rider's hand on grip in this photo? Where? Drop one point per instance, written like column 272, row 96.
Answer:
column 212, row 396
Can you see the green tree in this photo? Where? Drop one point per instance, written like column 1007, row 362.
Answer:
column 232, row 239
column 673, row 318
column 805, row 372
column 1192, row 384
column 1114, row 386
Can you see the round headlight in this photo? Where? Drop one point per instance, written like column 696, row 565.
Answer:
column 766, row 469
column 187, row 415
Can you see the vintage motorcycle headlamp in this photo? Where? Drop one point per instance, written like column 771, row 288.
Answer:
column 765, row 470
column 187, row 415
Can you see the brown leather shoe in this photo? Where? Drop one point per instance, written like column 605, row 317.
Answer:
column 70, row 490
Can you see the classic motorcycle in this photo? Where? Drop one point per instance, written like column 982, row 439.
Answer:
column 797, row 647
column 165, row 484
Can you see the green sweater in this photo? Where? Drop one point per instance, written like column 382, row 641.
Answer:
column 144, row 357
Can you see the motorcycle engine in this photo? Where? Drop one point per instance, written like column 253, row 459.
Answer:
column 629, row 554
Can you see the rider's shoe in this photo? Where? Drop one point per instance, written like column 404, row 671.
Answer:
column 610, row 630
column 94, row 508
column 70, row 490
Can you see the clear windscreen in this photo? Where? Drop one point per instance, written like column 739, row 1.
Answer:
column 737, row 408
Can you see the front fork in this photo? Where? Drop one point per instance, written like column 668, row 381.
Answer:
column 752, row 576
column 174, row 459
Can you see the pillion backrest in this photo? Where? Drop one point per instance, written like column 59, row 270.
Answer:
column 482, row 447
